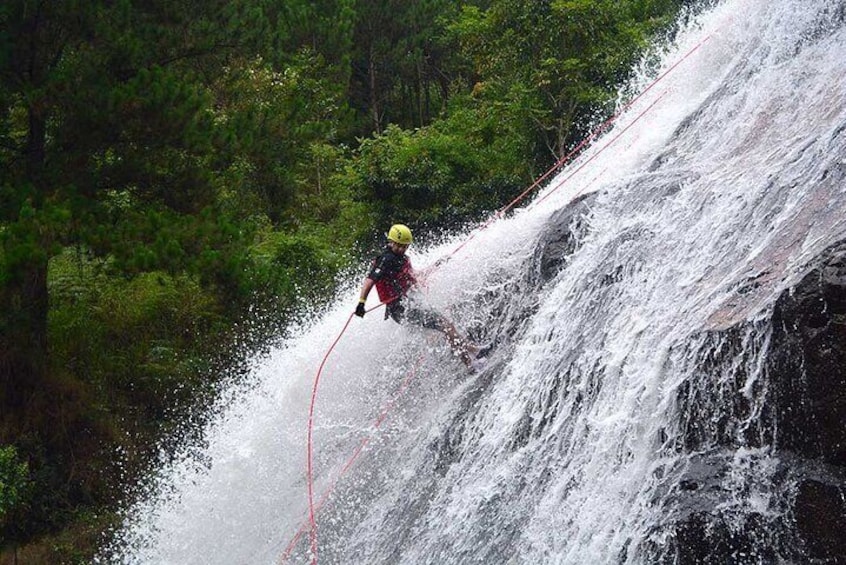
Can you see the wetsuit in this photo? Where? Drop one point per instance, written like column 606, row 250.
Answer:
column 394, row 278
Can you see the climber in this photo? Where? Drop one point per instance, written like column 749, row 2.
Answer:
column 393, row 277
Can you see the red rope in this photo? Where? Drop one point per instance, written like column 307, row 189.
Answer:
column 324, row 496
column 309, row 466
column 499, row 213
column 599, row 152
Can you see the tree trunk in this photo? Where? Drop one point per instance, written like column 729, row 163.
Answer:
column 419, row 88
column 427, row 105
column 23, row 342
column 374, row 94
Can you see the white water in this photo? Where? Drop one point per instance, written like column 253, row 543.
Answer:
column 558, row 452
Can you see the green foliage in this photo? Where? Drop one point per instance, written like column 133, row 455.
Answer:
column 400, row 66
column 14, row 481
column 15, row 489
column 474, row 159
column 139, row 337
column 298, row 267
column 560, row 62
column 271, row 119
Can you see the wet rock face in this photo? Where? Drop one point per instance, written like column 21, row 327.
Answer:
column 802, row 426
column 796, row 444
column 702, row 541
column 807, row 366
column 820, row 516
column 808, row 362
column 562, row 236
column 802, row 429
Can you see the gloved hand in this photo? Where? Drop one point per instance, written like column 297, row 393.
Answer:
column 359, row 310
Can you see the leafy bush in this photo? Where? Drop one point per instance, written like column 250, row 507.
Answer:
column 15, row 489
column 469, row 162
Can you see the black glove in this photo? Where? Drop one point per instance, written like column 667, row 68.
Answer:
column 359, row 310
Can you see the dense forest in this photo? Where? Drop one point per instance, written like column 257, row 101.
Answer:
column 179, row 180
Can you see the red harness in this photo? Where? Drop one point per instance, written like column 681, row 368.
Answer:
column 392, row 287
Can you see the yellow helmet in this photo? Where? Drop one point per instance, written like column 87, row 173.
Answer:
column 400, row 233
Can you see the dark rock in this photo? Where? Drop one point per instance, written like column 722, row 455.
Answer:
column 807, row 362
column 702, row 540
column 505, row 318
column 804, row 521
column 562, row 236
column 801, row 427
column 712, row 411
column 821, row 521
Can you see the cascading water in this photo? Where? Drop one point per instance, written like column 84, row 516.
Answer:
column 632, row 410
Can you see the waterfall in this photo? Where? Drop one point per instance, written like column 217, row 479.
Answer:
column 647, row 398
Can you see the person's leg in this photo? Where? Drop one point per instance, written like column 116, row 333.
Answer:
column 396, row 311
column 432, row 320
column 460, row 346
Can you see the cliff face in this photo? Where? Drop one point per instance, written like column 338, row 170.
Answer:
column 799, row 437
column 807, row 362
column 796, row 438
column 807, row 366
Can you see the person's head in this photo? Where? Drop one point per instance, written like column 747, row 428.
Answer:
column 399, row 238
